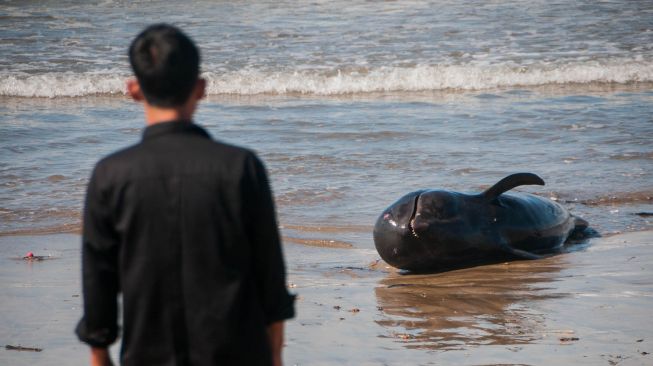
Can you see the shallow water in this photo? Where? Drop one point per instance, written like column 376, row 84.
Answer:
column 337, row 162
column 73, row 48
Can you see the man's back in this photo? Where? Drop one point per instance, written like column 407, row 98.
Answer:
column 190, row 231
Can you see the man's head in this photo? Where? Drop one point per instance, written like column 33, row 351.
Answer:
column 166, row 64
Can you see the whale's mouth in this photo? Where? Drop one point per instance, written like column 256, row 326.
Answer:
column 411, row 222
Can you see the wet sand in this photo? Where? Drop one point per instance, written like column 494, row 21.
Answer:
column 592, row 306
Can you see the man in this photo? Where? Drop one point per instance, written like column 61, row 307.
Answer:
column 185, row 228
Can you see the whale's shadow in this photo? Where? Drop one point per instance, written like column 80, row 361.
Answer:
column 485, row 305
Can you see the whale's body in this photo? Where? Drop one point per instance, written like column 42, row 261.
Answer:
column 433, row 230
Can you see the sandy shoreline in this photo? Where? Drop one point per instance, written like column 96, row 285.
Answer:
column 589, row 307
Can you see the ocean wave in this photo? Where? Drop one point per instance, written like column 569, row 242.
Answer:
column 347, row 80
column 67, row 84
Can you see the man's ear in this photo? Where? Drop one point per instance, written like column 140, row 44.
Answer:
column 200, row 89
column 134, row 90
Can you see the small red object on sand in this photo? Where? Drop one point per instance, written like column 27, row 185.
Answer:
column 29, row 255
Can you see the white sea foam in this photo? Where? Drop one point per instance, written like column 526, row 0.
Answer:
column 346, row 81
column 66, row 84
column 423, row 78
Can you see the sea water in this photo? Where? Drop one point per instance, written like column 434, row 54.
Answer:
column 350, row 104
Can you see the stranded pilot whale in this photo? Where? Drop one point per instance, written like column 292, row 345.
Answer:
column 434, row 230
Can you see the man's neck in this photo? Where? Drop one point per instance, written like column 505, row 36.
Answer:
column 154, row 115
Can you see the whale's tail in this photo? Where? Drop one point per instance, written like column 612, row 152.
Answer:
column 581, row 231
column 580, row 224
column 510, row 182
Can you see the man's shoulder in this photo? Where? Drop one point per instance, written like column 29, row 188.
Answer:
column 210, row 151
column 216, row 150
column 231, row 149
column 119, row 156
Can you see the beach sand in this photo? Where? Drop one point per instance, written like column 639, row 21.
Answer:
column 593, row 306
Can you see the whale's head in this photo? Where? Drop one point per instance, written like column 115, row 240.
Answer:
column 421, row 227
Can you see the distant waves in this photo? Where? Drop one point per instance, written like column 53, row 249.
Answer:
column 346, row 80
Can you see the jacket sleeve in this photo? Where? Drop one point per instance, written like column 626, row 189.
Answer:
column 267, row 257
column 100, row 280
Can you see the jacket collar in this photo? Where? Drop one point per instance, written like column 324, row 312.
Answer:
column 177, row 126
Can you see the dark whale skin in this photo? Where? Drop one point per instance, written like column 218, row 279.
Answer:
column 433, row 230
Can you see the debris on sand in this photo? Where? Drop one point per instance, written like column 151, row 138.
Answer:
column 30, row 257
column 21, row 348
column 568, row 339
column 405, row 336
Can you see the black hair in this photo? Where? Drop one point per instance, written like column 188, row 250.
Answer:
column 166, row 64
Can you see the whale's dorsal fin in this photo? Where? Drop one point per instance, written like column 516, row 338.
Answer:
column 510, row 182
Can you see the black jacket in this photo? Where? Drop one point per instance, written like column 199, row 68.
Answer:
column 185, row 228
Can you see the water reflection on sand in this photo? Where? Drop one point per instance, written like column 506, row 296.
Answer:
column 486, row 305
